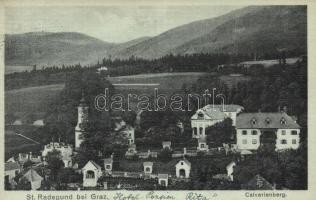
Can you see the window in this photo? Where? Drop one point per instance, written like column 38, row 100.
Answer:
column 293, row 141
column 254, row 132
column 80, row 137
column 202, row 145
column 181, row 163
column 90, row 174
column 253, row 121
column 195, row 131
column 108, row 166
column 163, row 182
column 268, row 121
column 244, row 141
column 147, row 169
column 200, row 114
column 283, row 132
column 254, row 141
column 293, row 132
column 201, row 130
column 283, row 142
column 244, row 132
column 283, row 121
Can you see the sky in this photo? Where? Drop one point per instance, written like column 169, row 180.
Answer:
column 111, row 24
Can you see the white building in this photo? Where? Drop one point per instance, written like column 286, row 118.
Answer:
column 131, row 151
column 129, row 132
column 33, row 177
column 163, row 180
column 38, row 123
column 202, row 146
column 108, row 164
column 148, row 167
column 17, row 122
column 212, row 114
column 23, row 157
column 166, row 145
column 91, row 173
column 183, row 169
column 256, row 129
column 204, row 118
column 11, row 169
column 65, row 150
column 81, row 128
column 102, row 69
column 230, row 170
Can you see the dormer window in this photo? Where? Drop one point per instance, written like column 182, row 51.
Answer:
column 253, row 121
column 200, row 114
column 283, row 121
column 268, row 121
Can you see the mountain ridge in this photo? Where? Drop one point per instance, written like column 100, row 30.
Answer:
column 252, row 29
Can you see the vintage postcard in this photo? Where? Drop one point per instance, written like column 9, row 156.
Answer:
column 145, row 100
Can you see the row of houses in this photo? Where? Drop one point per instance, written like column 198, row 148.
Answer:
column 92, row 172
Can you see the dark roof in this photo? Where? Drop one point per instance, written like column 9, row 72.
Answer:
column 186, row 161
column 93, row 163
column 214, row 114
column 258, row 183
column 148, row 163
column 108, row 161
column 163, row 176
column 259, row 120
column 137, row 166
column 226, row 107
column 11, row 166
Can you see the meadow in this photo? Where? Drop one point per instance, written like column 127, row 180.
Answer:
column 35, row 100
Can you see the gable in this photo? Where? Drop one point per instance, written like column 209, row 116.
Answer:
column 91, row 166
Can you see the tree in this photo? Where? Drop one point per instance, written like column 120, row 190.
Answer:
column 106, row 143
column 165, row 155
column 54, row 162
column 23, row 185
column 220, row 133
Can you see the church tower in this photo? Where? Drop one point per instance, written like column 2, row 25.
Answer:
column 81, row 128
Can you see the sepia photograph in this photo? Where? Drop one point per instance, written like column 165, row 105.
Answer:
column 151, row 98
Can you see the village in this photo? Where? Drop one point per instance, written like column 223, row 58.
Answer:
column 144, row 168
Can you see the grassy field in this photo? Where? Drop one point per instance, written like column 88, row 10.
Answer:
column 15, row 144
column 35, row 100
column 32, row 99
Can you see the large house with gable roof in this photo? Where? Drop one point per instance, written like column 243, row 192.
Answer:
column 209, row 115
column 276, row 129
